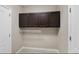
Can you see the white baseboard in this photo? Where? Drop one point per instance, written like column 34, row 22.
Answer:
column 47, row 49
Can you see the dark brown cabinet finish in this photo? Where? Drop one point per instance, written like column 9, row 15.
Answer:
column 54, row 19
column 45, row 19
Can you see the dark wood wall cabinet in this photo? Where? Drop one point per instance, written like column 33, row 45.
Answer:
column 44, row 19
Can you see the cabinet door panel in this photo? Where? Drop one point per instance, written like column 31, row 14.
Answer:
column 33, row 20
column 54, row 20
column 23, row 22
column 43, row 20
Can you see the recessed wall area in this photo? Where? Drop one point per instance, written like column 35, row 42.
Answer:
column 47, row 38
column 40, row 37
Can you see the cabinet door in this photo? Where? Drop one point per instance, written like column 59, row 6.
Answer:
column 33, row 20
column 43, row 20
column 54, row 19
column 23, row 20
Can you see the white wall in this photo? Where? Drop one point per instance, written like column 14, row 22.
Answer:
column 74, row 28
column 40, row 37
column 39, row 8
column 63, row 31
column 5, row 30
column 16, row 37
